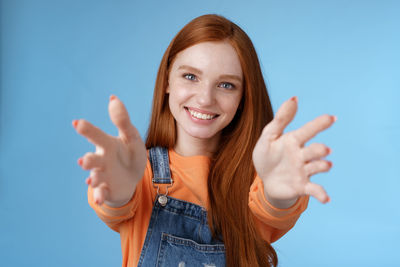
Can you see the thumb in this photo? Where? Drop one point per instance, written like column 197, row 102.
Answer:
column 283, row 117
column 120, row 117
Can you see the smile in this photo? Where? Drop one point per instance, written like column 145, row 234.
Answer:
column 201, row 116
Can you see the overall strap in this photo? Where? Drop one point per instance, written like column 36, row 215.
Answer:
column 160, row 165
column 161, row 172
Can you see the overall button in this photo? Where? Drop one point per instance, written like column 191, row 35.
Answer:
column 162, row 199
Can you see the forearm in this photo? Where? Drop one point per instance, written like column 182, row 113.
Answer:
column 273, row 222
column 114, row 216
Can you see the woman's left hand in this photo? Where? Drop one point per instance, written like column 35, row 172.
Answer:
column 283, row 162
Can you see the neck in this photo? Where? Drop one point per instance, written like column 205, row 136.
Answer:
column 190, row 146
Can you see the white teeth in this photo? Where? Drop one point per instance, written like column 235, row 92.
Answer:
column 201, row 116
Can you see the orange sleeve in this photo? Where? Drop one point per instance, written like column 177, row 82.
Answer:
column 272, row 222
column 113, row 217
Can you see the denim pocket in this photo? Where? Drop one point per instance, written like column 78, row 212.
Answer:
column 181, row 252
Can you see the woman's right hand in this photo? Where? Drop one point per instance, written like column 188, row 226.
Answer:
column 118, row 163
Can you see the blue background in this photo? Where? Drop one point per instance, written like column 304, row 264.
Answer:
column 61, row 60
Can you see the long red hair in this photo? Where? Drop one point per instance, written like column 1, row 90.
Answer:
column 232, row 171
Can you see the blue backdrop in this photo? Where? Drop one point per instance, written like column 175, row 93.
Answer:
column 61, row 60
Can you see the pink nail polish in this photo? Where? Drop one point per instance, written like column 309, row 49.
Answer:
column 334, row 118
column 88, row 181
column 112, row 97
column 80, row 161
column 75, row 123
column 294, row 99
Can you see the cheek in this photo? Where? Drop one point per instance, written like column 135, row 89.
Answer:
column 230, row 104
column 178, row 94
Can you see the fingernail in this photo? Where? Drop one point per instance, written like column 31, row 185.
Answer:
column 80, row 161
column 334, row 118
column 330, row 164
column 88, row 181
column 96, row 201
column 112, row 97
column 294, row 99
column 328, row 200
column 75, row 123
column 329, row 150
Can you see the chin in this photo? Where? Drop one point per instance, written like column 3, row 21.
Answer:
column 201, row 134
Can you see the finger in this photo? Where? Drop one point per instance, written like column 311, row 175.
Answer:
column 91, row 161
column 315, row 151
column 97, row 177
column 120, row 117
column 312, row 128
column 317, row 166
column 283, row 117
column 91, row 132
column 100, row 193
column 317, row 191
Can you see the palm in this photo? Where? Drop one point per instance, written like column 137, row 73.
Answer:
column 282, row 161
column 286, row 176
column 118, row 162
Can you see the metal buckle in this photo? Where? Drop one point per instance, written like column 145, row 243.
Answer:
column 162, row 198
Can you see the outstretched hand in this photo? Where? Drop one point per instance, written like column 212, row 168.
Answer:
column 284, row 164
column 118, row 163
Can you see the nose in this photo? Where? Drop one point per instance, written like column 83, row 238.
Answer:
column 205, row 96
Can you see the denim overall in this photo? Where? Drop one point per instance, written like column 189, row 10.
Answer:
column 178, row 233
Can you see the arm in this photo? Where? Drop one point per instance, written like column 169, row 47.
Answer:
column 273, row 222
column 284, row 166
column 115, row 216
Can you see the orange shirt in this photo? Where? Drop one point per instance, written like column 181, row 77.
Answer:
column 190, row 184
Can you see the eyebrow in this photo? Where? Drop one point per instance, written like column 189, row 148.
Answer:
column 187, row 67
column 223, row 76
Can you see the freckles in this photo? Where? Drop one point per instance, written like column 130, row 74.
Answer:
column 230, row 103
column 177, row 99
column 180, row 92
column 177, row 96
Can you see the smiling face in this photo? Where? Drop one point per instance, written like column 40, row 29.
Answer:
column 205, row 89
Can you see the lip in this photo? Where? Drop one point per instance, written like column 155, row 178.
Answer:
column 202, row 111
column 200, row 121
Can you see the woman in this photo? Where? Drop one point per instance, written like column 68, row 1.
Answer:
column 222, row 180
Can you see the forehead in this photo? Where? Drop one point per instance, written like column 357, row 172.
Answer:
column 210, row 57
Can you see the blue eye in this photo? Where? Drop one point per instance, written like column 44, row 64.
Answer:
column 227, row 85
column 190, row 76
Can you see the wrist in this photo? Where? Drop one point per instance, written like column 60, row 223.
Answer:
column 280, row 203
column 120, row 202
column 116, row 204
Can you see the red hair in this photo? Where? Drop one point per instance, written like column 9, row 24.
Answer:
column 232, row 171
